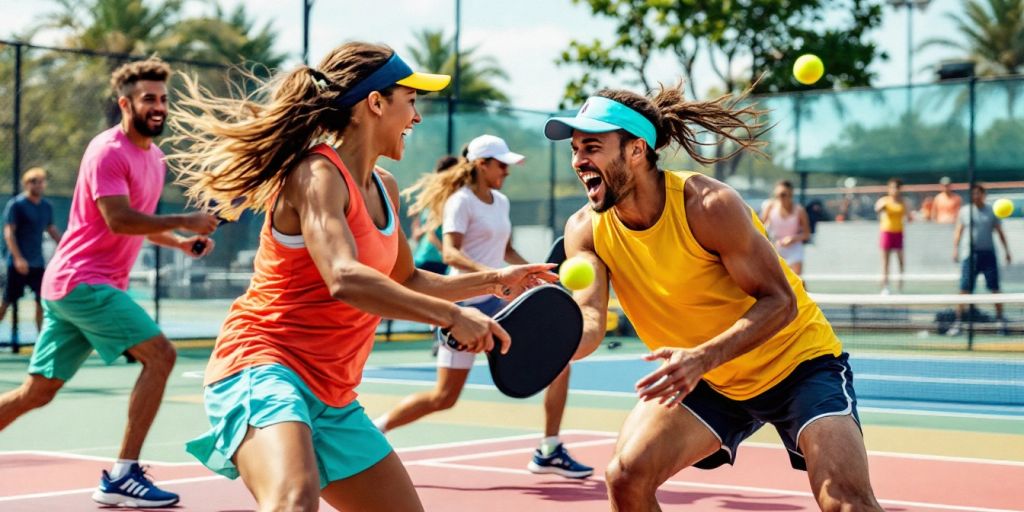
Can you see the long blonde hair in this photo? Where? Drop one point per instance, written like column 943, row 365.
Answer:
column 246, row 146
column 431, row 191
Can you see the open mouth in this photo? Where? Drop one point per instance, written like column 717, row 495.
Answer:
column 406, row 132
column 591, row 180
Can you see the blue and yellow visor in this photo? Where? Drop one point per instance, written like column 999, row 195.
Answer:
column 394, row 72
column 600, row 115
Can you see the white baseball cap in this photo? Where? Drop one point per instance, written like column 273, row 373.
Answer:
column 489, row 146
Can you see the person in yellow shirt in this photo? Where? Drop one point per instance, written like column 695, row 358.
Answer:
column 892, row 210
column 740, row 342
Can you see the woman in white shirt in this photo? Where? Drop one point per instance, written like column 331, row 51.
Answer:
column 474, row 215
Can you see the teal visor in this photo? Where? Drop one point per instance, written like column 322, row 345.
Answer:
column 600, row 115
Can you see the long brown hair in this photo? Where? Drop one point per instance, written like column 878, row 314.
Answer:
column 246, row 145
column 431, row 191
column 671, row 114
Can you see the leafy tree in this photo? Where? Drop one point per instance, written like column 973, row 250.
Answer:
column 769, row 33
column 477, row 75
column 66, row 97
column 991, row 33
column 119, row 26
column 229, row 38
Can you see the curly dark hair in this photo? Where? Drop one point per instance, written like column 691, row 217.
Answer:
column 124, row 78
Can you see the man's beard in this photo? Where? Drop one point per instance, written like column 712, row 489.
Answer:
column 142, row 126
column 615, row 178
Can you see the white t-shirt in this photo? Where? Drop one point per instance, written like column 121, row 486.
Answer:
column 486, row 228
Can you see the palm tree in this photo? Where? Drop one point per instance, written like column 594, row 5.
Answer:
column 992, row 33
column 433, row 53
column 120, row 26
column 230, row 39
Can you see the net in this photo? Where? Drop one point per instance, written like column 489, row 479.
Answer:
column 928, row 331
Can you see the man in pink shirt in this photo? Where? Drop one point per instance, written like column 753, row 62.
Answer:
column 84, row 301
column 946, row 205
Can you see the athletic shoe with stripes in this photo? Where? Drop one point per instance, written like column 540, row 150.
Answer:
column 134, row 489
column 559, row 463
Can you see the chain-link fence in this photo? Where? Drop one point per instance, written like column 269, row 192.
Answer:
column 53, row 101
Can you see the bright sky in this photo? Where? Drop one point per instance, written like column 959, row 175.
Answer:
column 525, row 36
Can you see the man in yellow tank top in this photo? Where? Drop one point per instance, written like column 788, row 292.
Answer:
column 740, row 341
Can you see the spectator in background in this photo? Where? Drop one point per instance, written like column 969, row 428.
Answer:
column 427, row 254
column 984, row 251
column 466, row 201
column 845, row 208
column 927, row 210
column 892, row 210
column 815, row 214
column 787, row 225
column 946, row 204
column 26, row 217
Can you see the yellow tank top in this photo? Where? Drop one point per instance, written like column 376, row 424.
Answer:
column 677, row 294
column 892, row 217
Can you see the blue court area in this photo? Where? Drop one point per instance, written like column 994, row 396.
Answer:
column 944, row 384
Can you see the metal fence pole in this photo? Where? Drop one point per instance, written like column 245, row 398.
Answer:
column 156, row 278
column 796, row 149
column 971, row 154
column 456, row 78
column 15, row 172
column 553, row 179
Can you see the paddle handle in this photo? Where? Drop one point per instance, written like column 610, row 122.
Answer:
column 450, row 341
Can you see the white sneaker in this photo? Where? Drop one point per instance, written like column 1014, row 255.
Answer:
column 885, row 290
column 954, row 330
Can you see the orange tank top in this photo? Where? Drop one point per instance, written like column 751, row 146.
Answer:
column 288, row 315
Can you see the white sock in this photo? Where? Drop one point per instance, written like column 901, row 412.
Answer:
column 548, row 445
column 121, row 468
column 381, row 423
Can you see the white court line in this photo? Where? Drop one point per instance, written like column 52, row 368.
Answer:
column 472, row 442
column 940, row 380
column 215, row 477
column 624, row 394
column 723, row 487
column 79, row 456
column 410, row 449
column 965, row 358
column 896, row 455
column 511, row 451
column 162, row 483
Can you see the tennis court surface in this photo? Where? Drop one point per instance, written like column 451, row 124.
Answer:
column 926, row 452
column 489, row 475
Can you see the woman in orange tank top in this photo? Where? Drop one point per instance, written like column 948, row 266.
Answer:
column 332, row 261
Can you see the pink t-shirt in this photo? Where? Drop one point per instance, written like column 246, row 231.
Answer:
column 89, row 252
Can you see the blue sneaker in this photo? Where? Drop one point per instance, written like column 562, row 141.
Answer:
column 134, row 489
column 559, row 463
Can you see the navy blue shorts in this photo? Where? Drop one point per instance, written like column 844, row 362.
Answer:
column 817, row 388
column 16, row 283
column 985, row 264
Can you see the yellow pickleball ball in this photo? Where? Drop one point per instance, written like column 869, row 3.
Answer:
column 1003, row 208
column 808, row 69
column 576, row 273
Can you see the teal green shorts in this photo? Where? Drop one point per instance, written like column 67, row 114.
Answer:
column 345, row 440
column 90, row 317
